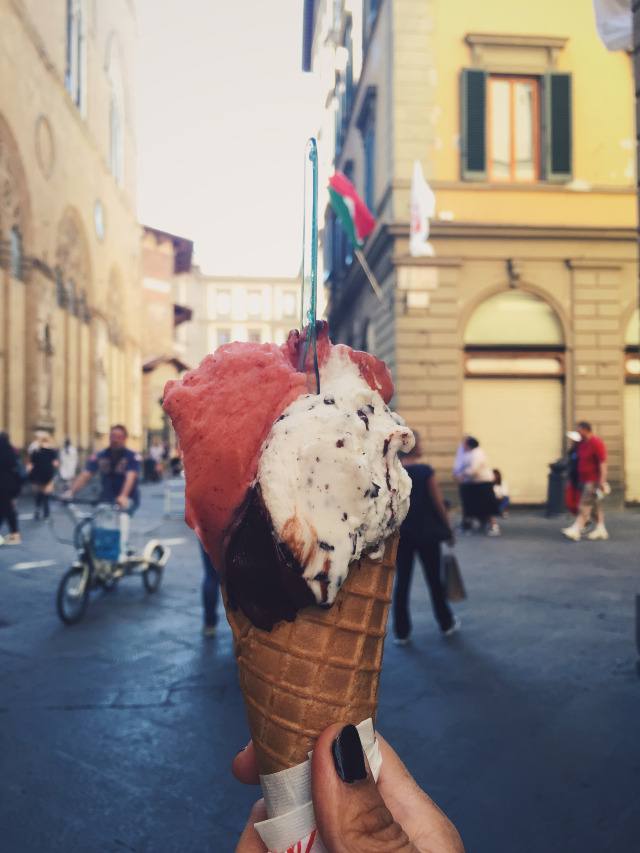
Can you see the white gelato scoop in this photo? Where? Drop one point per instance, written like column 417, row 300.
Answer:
column 330, row 476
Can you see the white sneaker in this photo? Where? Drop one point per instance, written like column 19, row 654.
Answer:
column 600, row 532
column 571, row 533
column 455, row 626
column 494, row 530
column 401, row 641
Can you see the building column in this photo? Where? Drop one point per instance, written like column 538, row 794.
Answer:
column 598, row 363
column 15, row 359
column 84, row 385
column 429, row 356
column 72, row 389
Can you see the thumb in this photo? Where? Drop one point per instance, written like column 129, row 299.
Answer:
column 351, row 815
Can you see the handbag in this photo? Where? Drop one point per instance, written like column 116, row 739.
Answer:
column 452, row 577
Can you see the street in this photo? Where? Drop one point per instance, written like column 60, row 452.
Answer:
column 117, row 734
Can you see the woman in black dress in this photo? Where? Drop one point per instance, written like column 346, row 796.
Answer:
column 422, row 532
column 10, row 482
column 44, row 461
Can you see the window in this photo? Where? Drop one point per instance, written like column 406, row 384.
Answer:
column 367, row 127
column 516, row 129
column 255, row 336
column 75, row 62
column 254, row 303
column 514, row 318
column 16, row 257
column 344, row 88
column 289, row 303
column 223, row 303
column 348, row 43
column 116, row 111
column 371, row 9
column 223, row 336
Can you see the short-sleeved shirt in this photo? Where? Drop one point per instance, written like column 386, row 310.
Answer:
column 113, row 465
column 423, row 522
column 592, row 452
column 43, row 460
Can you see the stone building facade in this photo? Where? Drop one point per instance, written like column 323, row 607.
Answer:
column 164, row 256
column 233, row 308
column 525, row 319
column 69, row 241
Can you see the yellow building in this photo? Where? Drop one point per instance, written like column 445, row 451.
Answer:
column 69, row 240
column 525, row 319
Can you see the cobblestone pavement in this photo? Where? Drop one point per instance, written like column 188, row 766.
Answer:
column 117, row 734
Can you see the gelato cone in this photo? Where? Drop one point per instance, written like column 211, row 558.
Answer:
column 297, row 494
column 322, row 668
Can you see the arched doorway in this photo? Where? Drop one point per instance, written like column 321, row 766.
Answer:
column 514, row 388
column 632, row 409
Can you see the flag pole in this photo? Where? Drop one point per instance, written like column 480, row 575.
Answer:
column 369, row 274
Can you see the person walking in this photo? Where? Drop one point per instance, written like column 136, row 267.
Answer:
column 422, row 532
column 43, row 465
column 68, row 463
column 592, row 477
column 156, row 455
column 477, row 478
column 210, row 595
column 572, row 489
column 10, row 484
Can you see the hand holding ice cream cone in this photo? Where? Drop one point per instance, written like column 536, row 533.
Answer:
column 353, row 812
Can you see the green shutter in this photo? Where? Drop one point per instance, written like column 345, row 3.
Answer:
column 557, row 129
column 473, row 144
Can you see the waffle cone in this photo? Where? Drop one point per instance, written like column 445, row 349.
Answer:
column 322, row 668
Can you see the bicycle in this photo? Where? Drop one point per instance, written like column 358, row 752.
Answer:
column 99, row 564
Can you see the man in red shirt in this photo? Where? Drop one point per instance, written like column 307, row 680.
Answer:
column 592, row 476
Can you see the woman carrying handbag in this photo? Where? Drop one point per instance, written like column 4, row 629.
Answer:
column 422, row 532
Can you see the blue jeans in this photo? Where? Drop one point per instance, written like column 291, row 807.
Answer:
column 210, row 590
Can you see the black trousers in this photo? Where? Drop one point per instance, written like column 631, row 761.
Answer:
column 430, row 556
column 42, row 502
column 8, row 511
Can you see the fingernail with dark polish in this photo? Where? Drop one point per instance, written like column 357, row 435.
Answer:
column 348, row 756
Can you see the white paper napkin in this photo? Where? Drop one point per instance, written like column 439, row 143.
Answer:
column 291, row 825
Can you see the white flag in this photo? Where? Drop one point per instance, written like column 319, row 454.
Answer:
column 614, row 21
column 423, row 206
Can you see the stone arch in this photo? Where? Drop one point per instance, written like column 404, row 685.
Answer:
column 487, row 331
column 15, row 207
column 523, row 287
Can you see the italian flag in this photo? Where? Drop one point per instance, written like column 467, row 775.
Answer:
column 354, row 215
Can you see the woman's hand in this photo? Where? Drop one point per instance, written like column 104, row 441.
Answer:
column 354, row 815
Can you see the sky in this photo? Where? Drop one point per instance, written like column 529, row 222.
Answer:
column 223, row 115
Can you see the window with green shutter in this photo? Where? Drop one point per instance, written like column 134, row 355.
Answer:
column 473, row 138
column 557, row 131
column 515, row 129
